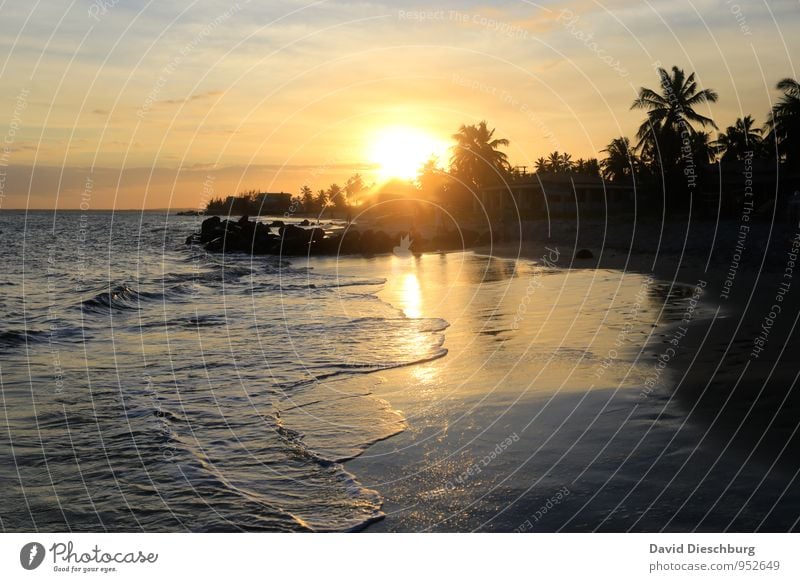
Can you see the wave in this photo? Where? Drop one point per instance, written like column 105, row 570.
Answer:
column 378, row 324
column 209, row 275
column 14, row 338
column 316, row 286
column 119, row 298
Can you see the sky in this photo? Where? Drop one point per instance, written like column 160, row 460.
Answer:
column 130, row 104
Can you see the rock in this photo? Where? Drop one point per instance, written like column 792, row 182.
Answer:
column 375, row 243
column 315, row 235
column 383, row 242
column 484, row 238
column 293, row 240
column 290, row 231
column 447, row 241
column 328, row 246
column 249, row 236
column 469, row 237
column 216, row 245
column 264, row 245
column 209, row 229
column 210, row 223
column 349, row 242
column 584, row 254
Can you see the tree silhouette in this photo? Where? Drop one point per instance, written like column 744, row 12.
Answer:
column 307, row 198
column 476, row 159
column 554, row 163
column 590, row 167
column 566, row 162
column 336, row 196
column 784, row 123
column 431, row 180
column 670, row 115
column 354, row 187
column 322, row 200
column 702, row 148
column 739, row 139
column 620, row 163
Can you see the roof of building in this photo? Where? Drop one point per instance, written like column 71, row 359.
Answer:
column 550, row 180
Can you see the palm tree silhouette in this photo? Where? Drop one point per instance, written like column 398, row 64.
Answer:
column 566, row 162
column 739, row 139
column 620, row 162
column 784, row 122
column 306, row 198
column 670, row 113
column 476, row 158
column 554, row 162
column 702, row 148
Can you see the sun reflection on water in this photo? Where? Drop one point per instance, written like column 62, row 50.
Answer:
column 411, row 296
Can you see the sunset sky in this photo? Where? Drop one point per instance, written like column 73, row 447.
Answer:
column 150, row 100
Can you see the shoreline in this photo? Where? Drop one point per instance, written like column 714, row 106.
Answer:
column 721, row 426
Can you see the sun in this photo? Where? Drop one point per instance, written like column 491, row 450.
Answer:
column 399, row 152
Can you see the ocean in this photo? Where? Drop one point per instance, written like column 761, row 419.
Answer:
column 149, row 385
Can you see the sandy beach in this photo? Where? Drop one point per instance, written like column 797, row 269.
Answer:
column 619, row 393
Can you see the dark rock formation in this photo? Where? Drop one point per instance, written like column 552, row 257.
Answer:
column 375, row 243
column 248, row 236
column 349, row 242
column 209, row 229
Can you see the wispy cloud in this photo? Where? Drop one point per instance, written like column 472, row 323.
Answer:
column 290, row 85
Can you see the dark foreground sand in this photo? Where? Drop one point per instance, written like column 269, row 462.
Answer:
column 598, row 394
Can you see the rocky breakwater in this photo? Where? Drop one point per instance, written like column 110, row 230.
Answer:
column 252, row 237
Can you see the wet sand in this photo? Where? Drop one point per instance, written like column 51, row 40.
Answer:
column 551, row 411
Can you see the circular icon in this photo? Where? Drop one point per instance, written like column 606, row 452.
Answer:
column 31, row 555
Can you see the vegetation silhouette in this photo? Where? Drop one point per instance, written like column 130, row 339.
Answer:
column 674, row 162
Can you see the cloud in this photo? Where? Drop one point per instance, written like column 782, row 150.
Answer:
column 147, row 187
column 275, row 82
column 190, row 99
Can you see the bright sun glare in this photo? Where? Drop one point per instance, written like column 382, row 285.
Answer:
column 400, row 151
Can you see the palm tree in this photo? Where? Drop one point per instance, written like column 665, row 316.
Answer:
column 620, row 162
column 670, row 114
column 354, row 187
column 476, row 158
column 784, row 122
column 306, row 198
column 554, row 162
column 540, row 165
column 566, row 163
column 739, row 139
column 431, row 180
column 336, row 196
column 702, row 149
column 322, row 200
column 590, row 167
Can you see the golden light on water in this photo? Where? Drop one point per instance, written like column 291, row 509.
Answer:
column 399, row 152
column 411, row 296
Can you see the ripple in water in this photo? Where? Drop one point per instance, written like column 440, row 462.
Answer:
column 164, row 389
